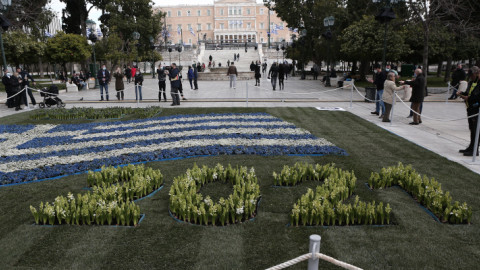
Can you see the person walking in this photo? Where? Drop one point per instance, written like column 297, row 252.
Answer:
column 252, row 66
column 281, row 76
column 138, row 84
column 418, row 94
column 190, row 76
column 26, row 78
column 234, row 57
column 389, row 94
column 228, row 62
column 175, row 84
column 273, row 74
column 119, row 86
column 210, row 58
column 128, row 74
column 195, row 77
column 258, row 75
column 457, row 76
column 264, row 67
column 380, row 77
column 103, row 77
column 238, row 56
column 232, row 72
column 472, row 101
column 162, row 77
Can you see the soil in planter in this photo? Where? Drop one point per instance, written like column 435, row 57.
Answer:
column 217, row 190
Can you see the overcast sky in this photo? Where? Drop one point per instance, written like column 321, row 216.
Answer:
column 57, row 6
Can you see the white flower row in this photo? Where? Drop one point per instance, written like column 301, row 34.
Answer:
column 53, row 160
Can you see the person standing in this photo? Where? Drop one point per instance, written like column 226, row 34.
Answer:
column 234, row 57
column 264, row 67
column 210, row 58
column 138, row 84
column 119, row 86
column 389, row 95
column 103, row 77
column 162, row 88
column 232, row 72
column 175, row 84
column 8, row 88
column 472, row 102
column 257, row 74
column 133, row 71
column 281, row 75
column 238, row 56
column 457, row 76
column 26, row 78
column 273, row 74
column 195, row 77
column 418, row 93
column 252, row 66
column 128, row 74
column 228, row 62
column 190, row 76
column 380, row 77
column 15, row 82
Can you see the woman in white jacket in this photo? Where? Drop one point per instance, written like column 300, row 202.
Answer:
column 389, row 94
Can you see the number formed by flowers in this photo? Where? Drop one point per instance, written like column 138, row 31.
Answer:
column 325, row 205
column 109, row 202
column 426, row 190
column 189, row 205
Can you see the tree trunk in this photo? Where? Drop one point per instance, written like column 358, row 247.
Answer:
column 425, row 51
column 40, row 67
column 439, row 69
column 448, row 69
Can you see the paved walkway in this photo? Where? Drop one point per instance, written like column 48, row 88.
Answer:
column 444, row 135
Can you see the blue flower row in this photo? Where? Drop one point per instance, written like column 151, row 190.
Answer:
column 74, row 127
column 60, row 140
column 26, row 176
column 142, row 143
column 17, row 129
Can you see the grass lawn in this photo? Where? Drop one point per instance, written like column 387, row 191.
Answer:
column 417, row 242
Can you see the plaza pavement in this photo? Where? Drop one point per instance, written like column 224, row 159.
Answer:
column 444, row 129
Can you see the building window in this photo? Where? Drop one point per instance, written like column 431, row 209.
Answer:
column 271, row 12
column 179, row 13
column 199, row 12
column 249, row 25
column 208, row 12
column 169, row 27
column 248, row 11
column 189, row 26
column 262, row 26
column 239, row 12
column 261, row 11
column 199, row 27
column 179, row 27
column 189, row 41
column 230, row 11
column 209, row 26
column 222, row 26
column 261, row 40
column 188, row 13
column 221, row 11
column 169, row 13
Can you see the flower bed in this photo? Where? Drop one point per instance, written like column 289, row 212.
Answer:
column 426, row 191
column 46, row 151
column 188, row 204
column 325, row 205
column 108, row 203
column 91, row 113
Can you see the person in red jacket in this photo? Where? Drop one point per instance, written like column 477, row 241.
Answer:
column 134, row 71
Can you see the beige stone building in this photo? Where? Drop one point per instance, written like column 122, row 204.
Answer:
column 227, row 21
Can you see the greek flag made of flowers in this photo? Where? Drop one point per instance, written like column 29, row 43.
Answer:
column 34, row 152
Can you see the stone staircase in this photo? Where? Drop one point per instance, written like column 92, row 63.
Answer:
column 222, row 56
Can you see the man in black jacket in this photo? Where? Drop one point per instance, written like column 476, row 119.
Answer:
column 26, row 78
column 472, row 101
column 457, row 76
column 162, row 77
column 380, row 77
column 103, row 77
column 273, row 74
column 418, row 94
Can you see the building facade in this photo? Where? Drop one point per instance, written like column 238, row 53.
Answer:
column 225, row 21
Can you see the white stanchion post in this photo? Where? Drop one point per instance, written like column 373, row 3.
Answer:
column 475, row 145
column 393, row 106
column 351, row 94
column 137, row 95
column 448, row 92
column 314, row 248
column 246, row 84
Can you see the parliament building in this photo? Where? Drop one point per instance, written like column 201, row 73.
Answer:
column 225, row 21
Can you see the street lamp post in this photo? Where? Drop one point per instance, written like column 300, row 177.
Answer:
column 136, row 36
column 268, row 4
column 93, row 38
column 385, row 15
column 328, row 22
column 170, row 54
column 179, row 49
column 283, row 50
column 4, row 5
column 152, row 46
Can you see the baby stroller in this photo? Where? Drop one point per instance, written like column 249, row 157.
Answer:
column 50, row 97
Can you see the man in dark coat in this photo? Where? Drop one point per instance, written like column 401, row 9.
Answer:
column 26, row 78
column 162, row 87
column 457, row 76
column 103, row 77
column 273, row 74
column 174, row 75
column 418, row 94
column 380, row 77
column 472, row 101
column 195, row 77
